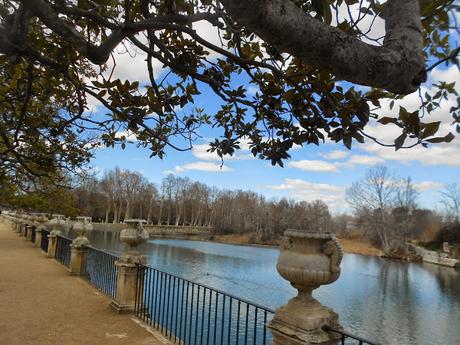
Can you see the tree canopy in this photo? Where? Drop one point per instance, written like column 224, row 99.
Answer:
column 321, row 70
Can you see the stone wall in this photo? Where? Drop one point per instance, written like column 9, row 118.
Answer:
column 438, row 258
column 158, row 230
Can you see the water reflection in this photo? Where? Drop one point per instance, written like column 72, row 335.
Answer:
column 392, row 302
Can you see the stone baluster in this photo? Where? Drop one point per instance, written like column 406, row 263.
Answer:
column 308, row 260
column 42, row 219
column 79, row 247
column 56, row 222
column 127, row 273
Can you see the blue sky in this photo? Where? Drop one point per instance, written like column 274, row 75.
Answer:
column 313, row 172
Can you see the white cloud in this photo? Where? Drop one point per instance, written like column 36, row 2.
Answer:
column 428, row 185
column 130, row 63
column 365, row 160
column 309, row 191
column 200, row 166
column 200, row 151
column 336, row 154
column 129, row 136
column 313, row 165
column 252, row 90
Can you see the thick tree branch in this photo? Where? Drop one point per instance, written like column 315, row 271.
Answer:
column 398, row 66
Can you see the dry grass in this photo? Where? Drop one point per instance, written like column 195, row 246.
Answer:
column 361, row 247
column 354, row 246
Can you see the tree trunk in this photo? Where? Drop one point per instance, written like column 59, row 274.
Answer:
column 161, row 211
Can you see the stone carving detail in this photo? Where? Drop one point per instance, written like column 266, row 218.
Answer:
column 286, row 243
column 333, row 249
column 133, row 235
column 308, row 260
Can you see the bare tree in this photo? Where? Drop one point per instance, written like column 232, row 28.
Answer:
column 374, row 196
column 451, row 201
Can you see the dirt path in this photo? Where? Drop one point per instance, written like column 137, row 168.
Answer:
column 41, row 304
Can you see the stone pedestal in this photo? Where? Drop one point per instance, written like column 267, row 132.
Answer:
column 300, row 322
column 29, row 233
column 52, row 242
column 128, row 280
column 308, row 259
column 125, row 296
column 78, row 254
column 38, row 237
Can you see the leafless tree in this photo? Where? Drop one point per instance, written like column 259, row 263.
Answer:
column 451, row 201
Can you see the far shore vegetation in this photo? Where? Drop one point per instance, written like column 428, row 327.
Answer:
column 384, row 217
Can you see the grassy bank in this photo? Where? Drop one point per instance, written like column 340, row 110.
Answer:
column 353, row 246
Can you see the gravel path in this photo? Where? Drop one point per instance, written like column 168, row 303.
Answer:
column 41, row 304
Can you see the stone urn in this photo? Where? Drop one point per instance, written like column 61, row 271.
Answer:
column 132, row 236
column 82, row 226
column 308, row 259
column 56, row 223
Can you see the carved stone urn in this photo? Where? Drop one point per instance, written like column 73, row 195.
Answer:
column 132, row 236
column 81, row 226
column 308, row 259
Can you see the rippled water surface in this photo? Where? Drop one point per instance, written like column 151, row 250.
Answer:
column 391, row 302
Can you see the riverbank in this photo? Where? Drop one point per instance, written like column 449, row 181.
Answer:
column 353, row 246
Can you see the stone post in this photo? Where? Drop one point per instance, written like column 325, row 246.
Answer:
column 127, row 278
column 445, row 247
column 52, row 238
column 79, row 247
column 29, row 232
column 78, row 255
column 41, row 220
column 38, row 236
column 307, row 259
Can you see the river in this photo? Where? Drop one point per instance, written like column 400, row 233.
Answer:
column 391, row 302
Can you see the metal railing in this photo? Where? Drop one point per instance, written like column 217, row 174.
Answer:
column 345, row 337
column 32, row 237
column 45, row 240
column 195, row 314
column 63, row 250
column 101, row 270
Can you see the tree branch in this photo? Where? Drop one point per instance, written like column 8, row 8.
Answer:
column 397, row 66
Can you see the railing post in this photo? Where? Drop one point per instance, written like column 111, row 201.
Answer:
column 52, row 242
column 127, row 272
column 38, row 236
column 308, row 259
column 41, row 220
column 29, row 232
column 78, row 255
column 79, row 247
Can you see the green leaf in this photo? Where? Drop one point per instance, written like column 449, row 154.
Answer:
column 430, row 129
column 386, row 120
column 399, row 142
column 447, row 139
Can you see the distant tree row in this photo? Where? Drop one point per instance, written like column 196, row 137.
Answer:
column 121, row 194
column 385, row 208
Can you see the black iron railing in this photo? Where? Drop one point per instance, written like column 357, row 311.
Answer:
column 347, row 338
column 63, row 250
column 101, row 270
column 32, row 237
column 195, row 314
column 45, row 240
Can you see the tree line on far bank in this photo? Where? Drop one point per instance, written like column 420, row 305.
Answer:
column 122, row 194
column 385, row 208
